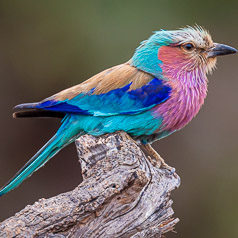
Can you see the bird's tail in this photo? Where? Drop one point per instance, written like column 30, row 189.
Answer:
column 66, row 134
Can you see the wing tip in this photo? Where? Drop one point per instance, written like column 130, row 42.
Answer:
column 26, row 105
column 14, row 115
column 37, row 113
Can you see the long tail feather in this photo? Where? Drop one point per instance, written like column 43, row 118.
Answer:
column 64, row 136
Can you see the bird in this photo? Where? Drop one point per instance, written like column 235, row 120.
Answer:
column 154, row 94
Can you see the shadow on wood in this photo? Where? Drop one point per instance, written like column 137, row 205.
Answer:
column 122, row 195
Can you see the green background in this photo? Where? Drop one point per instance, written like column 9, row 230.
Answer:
column 47, row 46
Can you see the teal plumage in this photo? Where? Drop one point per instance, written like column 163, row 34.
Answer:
column 154, row 94
column 64, row 136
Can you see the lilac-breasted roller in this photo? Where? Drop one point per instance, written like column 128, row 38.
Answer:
column 157, row 92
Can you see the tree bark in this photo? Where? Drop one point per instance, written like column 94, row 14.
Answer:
column 122, row 194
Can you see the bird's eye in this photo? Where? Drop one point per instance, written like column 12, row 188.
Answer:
column 188, row 46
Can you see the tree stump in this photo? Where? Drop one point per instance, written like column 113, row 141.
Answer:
column 122, row 194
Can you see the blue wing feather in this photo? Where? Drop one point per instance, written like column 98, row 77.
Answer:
column 115, row 102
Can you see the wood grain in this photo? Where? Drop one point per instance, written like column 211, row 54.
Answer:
column 122, row 195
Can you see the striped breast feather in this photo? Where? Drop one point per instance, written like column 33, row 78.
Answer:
column 122, row 89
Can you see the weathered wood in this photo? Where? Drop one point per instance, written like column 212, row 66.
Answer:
column 122, row 195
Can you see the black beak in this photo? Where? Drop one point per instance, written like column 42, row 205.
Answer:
column 220, row 49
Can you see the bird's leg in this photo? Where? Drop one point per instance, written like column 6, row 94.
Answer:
column 156, row 156
column 158, row 160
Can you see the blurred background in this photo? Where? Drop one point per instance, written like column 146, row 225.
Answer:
column 47, row 46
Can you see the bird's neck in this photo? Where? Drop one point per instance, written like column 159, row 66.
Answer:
column 188, row 93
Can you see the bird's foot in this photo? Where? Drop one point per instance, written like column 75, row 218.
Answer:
column 156, row 159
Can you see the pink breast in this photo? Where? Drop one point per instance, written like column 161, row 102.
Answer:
column 180, row 108
column 189, row 89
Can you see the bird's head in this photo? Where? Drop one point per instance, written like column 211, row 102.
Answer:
column 175, row 53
